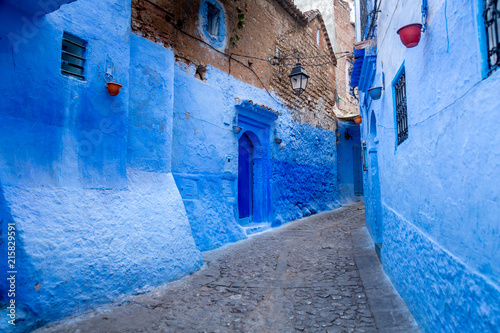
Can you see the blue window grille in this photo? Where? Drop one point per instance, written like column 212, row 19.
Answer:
column 73, row 56
column 491, row 15
column 399, row 88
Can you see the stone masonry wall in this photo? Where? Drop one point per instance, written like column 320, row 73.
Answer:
column 268, row 27
column 345, row 39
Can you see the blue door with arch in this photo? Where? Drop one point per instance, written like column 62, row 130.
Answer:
column 245, row 177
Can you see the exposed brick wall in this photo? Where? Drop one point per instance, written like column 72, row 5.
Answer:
column 267, row 26
column 346, row 37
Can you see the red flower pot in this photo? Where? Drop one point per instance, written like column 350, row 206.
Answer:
column 410, row 34
column 114, row 88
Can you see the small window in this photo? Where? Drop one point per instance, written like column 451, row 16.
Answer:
column 73, row 56
column 491, row 16
column 399, row 87
column 317, row 36
column 212, row 23
column 212, row 19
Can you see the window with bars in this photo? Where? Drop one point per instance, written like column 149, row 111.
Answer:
column 491, row 16
column 399, row 87
column 73, row 56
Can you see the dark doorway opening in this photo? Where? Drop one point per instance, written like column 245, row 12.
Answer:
column 245, row 178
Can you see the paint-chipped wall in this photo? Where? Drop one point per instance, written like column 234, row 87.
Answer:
column 439, row 188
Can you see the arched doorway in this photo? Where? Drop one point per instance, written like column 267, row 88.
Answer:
column 254, row 167
column 245, row 178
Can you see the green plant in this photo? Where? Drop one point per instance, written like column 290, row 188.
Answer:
column 241, row 9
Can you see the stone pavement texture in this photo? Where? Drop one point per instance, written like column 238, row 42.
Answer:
column 318, row 274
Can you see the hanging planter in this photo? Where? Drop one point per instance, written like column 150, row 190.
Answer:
column 114, row 88
column 237, row 129
column 357, row 120
column 410, row 34
column 375, row 93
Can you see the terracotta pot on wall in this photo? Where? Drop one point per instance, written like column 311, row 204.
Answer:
column 114, row 88
column 410, row 34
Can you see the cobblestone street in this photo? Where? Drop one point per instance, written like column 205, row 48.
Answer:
column 318, row 274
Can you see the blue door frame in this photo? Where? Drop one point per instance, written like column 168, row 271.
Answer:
column 254, row 140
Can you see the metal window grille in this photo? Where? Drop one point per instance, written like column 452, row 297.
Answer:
column 73, row 56
column 401, row 114
column 491, row 16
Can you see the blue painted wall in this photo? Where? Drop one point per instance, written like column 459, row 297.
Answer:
column 302, row 169
column 439, row 189
column 204, row 157
column 111, row 195
column 87, row 182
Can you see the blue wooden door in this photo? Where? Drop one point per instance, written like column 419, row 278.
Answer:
column 357, row 172
column 245, row 179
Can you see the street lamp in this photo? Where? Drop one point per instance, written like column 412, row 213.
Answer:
column 298, row 79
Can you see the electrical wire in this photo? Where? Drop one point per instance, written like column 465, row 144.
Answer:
column 230, row 56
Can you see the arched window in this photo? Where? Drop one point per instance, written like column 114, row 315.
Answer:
column 212, row 23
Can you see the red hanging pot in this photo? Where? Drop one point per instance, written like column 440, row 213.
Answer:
column 114, row 88
column 410, row 34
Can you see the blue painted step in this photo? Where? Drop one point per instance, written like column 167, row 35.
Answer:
column 255, row 228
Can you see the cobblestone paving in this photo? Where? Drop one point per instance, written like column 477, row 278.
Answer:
column 300, row 277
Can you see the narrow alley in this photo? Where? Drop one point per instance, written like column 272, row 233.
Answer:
column 317, row 274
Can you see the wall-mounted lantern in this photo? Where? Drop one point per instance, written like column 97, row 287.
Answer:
column 298, row 79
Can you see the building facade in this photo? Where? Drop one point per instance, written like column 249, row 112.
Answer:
column 431, row 151
column 204, row 144
column 339, row 21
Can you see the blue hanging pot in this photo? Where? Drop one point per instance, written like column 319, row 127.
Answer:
column 375, row 93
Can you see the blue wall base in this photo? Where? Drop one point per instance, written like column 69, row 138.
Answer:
column 443, row 294
column 84, row 247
